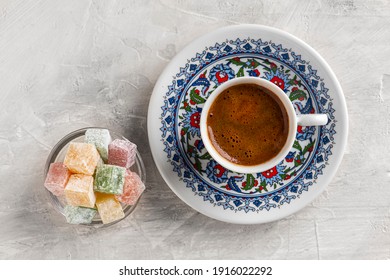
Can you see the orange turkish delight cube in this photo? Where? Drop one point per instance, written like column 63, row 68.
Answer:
column 109, row 208
column 82, row 158
column 79, row 191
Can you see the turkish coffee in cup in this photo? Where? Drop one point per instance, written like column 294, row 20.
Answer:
column 247, row 125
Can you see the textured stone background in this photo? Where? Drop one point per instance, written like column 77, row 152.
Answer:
column 71, row 64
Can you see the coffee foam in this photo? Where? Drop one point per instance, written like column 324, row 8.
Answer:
column 246, row 125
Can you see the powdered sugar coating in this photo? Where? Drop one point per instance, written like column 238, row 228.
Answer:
column 109, row 179
column 101, row 139
column 109, row 208
column 132, row 189
column 79, row 191
column 82, row 158
column 79, row 215
column 56, row 178
column 122, row 152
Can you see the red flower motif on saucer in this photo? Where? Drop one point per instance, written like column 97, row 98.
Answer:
column 270, row 172
column 278, row 81
column 195, row 120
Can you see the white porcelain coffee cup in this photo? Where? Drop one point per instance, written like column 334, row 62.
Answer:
column 293, row 121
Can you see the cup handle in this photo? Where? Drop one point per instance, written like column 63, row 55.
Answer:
column 312, row 119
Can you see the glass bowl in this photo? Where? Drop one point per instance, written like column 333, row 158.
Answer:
column 57, row 154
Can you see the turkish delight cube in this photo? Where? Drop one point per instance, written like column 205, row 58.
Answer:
column 132, row 189
column 82, row 158
column 79, row 215
column 109, row 208
column 56, row 178
column 109, row 179
column 79, row 191
column 122, row 152
column 100, row 138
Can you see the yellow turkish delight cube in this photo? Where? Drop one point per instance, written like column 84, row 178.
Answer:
column 82, row 158
column 109, row 208
column 79, row 191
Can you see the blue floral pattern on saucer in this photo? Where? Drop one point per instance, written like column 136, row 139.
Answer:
column 180, row 119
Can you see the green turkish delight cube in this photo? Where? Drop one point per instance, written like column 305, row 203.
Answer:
column 100, row 138
column 79, row 215
column 109, row 179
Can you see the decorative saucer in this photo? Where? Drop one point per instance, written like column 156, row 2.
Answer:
column 174, row 115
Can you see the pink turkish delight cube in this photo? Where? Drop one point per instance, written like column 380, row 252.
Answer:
column 57, row 177
column 122, row 152
column 132, row 189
